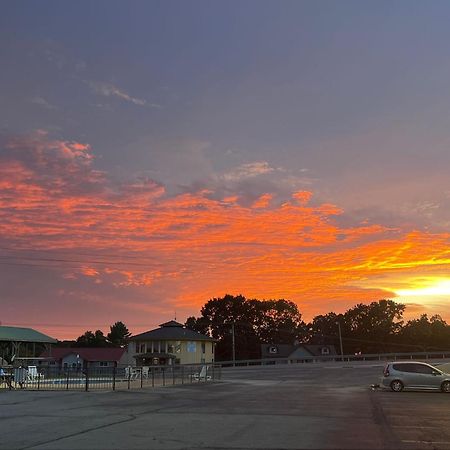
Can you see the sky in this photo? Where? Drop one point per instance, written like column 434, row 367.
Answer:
column 156, row 154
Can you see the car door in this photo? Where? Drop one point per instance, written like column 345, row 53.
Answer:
column 428, row 377
column 407, row 372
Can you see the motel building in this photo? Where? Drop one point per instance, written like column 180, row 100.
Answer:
column 169, row 344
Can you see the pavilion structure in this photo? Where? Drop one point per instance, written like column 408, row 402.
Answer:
column 18, row 344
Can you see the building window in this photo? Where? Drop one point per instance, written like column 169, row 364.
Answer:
column 203, row 347
column 191, row 347
column 104, row 364
column 141, row 347
column 170, row 348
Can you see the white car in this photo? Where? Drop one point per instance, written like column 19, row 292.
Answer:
column 401, row 375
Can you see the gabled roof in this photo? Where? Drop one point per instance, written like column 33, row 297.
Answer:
column 316, row 350
column 171, row 331
column 307, row 350
column 276, row 350
column 87, row 353
column 17, row 334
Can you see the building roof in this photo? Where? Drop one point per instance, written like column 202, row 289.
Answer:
column 171, row 331
column 17, row 334
column 87, row 353
column 276, row 350
column 316, row 350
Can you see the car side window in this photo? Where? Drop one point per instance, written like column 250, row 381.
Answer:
column 421, row 368
column 405, row 367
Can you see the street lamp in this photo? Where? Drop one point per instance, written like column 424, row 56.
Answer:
column 233, row 344
column 340, row 340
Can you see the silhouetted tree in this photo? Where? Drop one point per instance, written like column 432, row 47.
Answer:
column 427, row 333
column 90, row 339
column 118, row 335
column 372, row 328
column 254, row 322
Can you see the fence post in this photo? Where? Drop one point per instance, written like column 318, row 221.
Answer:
column 129, row 377
column 153, row 377
column 213, row 376
column 87, row 379
column 182, row 374
column 164, row 376
column 142, row 371
column 67, row 379
column 173, row 375
column 114, row 378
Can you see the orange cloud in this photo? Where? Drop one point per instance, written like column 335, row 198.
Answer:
column 190, row 247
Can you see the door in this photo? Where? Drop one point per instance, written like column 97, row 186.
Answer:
column 428, row 378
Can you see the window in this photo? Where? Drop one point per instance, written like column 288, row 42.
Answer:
column 410, row 368
column 422, row 368
column 325, row 351
column 104, row 364
column 191, row 347
column 203, row 348
column 170, row 348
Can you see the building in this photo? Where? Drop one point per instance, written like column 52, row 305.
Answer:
column 85, row 357
column 21, row 344
column 299, row 352
column 171, row 343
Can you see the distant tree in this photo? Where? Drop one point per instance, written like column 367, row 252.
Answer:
column 279, row 322
column 371, row 328
column 90, row 339
column 200, row 324
column 375, row 325
column 324, row 329
column 254, row 322
column 118, row 335
column 427, row 333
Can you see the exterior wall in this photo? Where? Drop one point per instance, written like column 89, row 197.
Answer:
column 187, row 352
column 72, row 361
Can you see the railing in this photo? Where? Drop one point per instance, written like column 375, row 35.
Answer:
column 106, row 378
column 338, row 358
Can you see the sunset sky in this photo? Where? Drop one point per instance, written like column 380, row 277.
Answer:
column 156, row 154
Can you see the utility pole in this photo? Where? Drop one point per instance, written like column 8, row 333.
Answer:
column 340, row 340
column 233, row 344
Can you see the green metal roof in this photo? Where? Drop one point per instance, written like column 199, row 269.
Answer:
column 16, row 334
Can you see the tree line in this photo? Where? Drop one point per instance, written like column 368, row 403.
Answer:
column 118, row 336
column 377, row 327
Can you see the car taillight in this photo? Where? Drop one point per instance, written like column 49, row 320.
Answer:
column 386, row 371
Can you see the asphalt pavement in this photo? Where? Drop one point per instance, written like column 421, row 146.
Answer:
column 329, row 406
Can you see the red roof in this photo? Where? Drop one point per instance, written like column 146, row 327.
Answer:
column 87, row 353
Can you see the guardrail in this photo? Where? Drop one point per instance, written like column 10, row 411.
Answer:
column 338, row 358
column 106, row 378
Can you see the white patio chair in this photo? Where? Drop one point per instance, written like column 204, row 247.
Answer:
column 202, row 375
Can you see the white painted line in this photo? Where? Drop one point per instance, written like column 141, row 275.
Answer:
column 427, row 442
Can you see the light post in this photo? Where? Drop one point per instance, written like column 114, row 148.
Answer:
column 233, row 344
column 340, row 340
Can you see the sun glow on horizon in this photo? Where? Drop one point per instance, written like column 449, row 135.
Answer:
column 429, row 287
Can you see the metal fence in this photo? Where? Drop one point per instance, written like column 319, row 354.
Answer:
column 420, row 356
column 106, row 378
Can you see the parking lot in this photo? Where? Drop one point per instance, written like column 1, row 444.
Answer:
column 276, row 407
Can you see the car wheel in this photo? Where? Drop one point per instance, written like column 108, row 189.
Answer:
column 445, row 387
column 397, row 386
